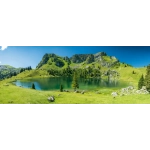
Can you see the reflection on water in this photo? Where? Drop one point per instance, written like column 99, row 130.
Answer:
column 54, row 83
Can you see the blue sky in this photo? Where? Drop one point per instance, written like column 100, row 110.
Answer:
column 23, row 56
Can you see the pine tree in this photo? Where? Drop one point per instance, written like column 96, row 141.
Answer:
column 33, row 86
column 75, row 84
column 15, row 73
column 147, row 78
column 141, row 82
column 133, row 72
column 21, row 70
column 61, row 88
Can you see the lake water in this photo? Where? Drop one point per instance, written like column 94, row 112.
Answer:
column 54, row 83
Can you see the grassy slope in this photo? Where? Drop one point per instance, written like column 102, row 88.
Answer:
column 32, row 74
column 51, row 65
column 20, row 95
column 126, row 74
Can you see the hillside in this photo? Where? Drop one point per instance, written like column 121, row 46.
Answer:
column 99, row 66
column 78, row 61
column 16, row 95
column 7, row 71
column 83, row 61
column 99, row 63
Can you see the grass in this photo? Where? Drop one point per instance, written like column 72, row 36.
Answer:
column 16, row 95
column 32, row 74
column 126, row 74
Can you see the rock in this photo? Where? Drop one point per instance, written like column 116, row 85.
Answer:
column 114, row 94
column 98, row 56
column 51, row 98
column 82, row 92
column 131, row 90
column 144, row 88
column 90, row 59
column 113, row 57
column 66, row 91
column 76, row 91
column 122, row 95
column 98, row 92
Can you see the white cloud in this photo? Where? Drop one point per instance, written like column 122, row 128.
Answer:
column 3, row 48
column 0, row 62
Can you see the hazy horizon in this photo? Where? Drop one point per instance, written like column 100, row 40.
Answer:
column 23, row 56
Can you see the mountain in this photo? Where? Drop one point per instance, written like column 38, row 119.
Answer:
column 52, row 60
column 98, row 65
column 101, row 59
column 7, row 71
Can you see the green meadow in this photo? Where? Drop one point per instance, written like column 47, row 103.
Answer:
column 11, row 94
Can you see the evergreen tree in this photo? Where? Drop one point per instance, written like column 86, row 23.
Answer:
column 75, row 84
column 99, row 67
column 133, row 72
column 147, row 78
column 90, row 70
column 15, row 73
column 21, row 70
column 141, row 82
column 33, row 86
column 10, row 75
column 61, row 88
column 68, row 71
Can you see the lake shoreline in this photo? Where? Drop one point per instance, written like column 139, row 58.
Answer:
column 53, row 83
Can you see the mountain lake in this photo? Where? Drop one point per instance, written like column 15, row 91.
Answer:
column 46, row 84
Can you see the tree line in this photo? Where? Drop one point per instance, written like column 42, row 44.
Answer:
column 21, row 70
column 14, row 73
column 24, row 69
column 145, row 81
column 75, row 83
column 82, row 73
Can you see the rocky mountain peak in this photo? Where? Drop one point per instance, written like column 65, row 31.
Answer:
column 98, row 56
